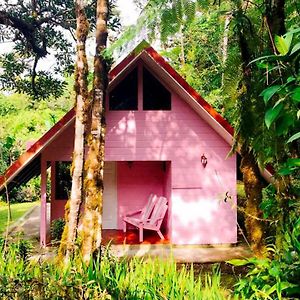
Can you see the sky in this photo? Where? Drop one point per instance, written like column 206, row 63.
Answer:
column 128, row 12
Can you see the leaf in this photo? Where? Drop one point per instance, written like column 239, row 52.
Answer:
column 274, row 271
column 263, row 58
column 293, row 162
column 238, row 262
column 295, row 48
column 285, row 171
column 9, row 142
column 296, row 30
column 293, row 137
column 283, row 44
column 272, row 114
column 284, row 123
column 285, row 285
column 290, row 79
column 269, row 92
column 262, row 65
column 288, row 37
column 296, row 94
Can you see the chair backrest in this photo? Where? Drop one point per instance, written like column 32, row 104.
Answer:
column 159, row 211
column 147, row 210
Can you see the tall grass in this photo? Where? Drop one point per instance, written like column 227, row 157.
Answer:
column 108, row 278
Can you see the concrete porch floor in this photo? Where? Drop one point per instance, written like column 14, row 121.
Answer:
column 182, row 253
column 122, row 245
column 127, row 245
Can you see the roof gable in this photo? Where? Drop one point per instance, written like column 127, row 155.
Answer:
column 157, row 64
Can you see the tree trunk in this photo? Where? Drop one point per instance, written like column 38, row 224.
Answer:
column 249, row 167
column 225, row 43
column 275, row 16
column 253, row 189
column 94, row 166
column 81, row 88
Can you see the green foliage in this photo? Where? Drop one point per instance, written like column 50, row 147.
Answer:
column 107, row 278
column 28, row 192
column 283, row 96
column 38, row 29
column 269, row 204
column 57, row 228
column 21, row 249
column 203, row 66
column 22, row 123
column 274, row 278
column 8, row 152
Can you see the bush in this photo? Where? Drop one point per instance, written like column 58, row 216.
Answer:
column 107, row 278
column 276, row 276
column 57, row 228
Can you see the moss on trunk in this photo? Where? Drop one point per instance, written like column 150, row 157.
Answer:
column 253, row 190
column 81, row 88
column 91, row 234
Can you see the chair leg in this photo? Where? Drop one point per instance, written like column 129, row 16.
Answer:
column 141, row 237
column 124, row 226
column 160, row 235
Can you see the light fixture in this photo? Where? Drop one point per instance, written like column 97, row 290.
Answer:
column 203, row 160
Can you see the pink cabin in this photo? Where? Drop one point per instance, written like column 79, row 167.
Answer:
column 162, row 138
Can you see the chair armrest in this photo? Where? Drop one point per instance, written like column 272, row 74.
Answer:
column 131, row 213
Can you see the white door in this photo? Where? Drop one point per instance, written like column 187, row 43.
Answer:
column 110, row 203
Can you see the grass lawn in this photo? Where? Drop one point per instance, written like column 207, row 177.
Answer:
column 17, row 211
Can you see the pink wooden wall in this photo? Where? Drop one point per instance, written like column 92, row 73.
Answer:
column 197, row 212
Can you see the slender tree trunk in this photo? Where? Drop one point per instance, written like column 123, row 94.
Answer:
column 275, row 16
column 81, row 88
column 93, row 184
column 249, row 167
column 182, row 56
column 225, row 43
column 253, row 189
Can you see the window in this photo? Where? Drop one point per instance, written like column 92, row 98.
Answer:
column 125, row 95
column 155, row 95
column 63, row 180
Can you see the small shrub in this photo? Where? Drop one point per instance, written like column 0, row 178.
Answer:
column 57, row 228
column 276, row 276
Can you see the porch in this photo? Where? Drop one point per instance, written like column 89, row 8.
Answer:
column 126, row 245
column 127, row 186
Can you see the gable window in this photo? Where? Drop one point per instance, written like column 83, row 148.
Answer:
column 63, row 180
column 155, row 95
column 125, row 95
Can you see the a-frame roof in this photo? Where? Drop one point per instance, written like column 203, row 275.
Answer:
column 21, row 170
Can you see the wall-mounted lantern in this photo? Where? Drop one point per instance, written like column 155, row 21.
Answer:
column 203, row 160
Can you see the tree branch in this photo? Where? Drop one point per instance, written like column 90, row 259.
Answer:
column 28, row 31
